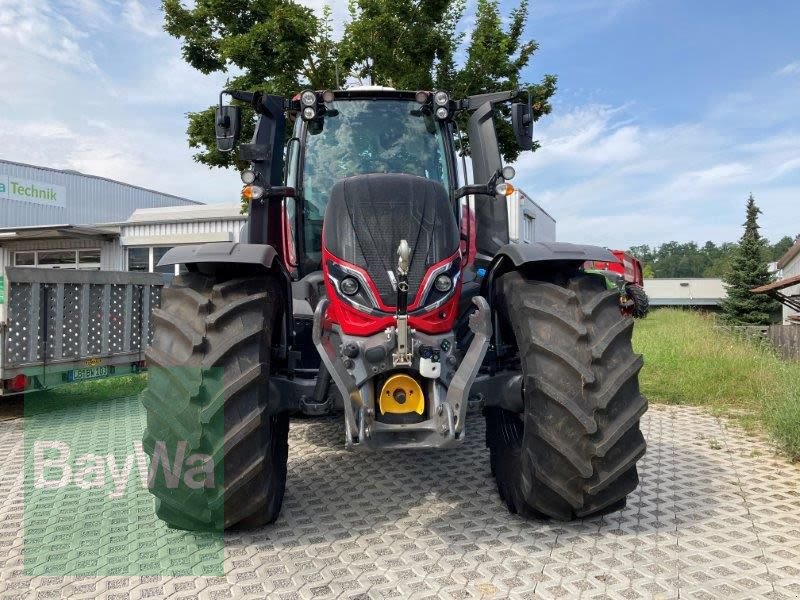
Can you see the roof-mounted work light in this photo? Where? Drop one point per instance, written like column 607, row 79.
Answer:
column 308, row 100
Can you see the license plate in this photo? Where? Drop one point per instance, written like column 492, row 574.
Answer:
column 88, row 373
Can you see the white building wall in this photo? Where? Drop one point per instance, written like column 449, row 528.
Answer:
column 686, row 291
column 791, row 269
column 175, row 226
column 527, row 221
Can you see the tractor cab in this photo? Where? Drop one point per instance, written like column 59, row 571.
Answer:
column 362, row 132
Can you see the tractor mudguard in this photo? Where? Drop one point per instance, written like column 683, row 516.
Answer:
column 511, row 257
column 521, row 254
column 221, row 252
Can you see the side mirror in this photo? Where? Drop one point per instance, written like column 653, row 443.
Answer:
column 522, row 124
column 228, row 123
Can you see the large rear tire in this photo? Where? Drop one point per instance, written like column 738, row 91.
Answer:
column 208, row 387
column 573, row 452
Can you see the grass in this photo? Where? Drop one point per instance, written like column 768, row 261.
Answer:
column 689, row 361
column 100, row 389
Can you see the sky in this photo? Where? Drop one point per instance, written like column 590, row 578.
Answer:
column 669, row 113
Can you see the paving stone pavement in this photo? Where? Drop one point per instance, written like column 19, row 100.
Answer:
column 717, row 515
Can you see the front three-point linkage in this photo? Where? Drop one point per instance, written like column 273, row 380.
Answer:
column 405, row 353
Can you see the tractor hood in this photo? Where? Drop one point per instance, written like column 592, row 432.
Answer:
column 368, row 215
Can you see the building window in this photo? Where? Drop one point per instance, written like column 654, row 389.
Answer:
column 158, row 254
column 89, row 260
column 528, row 228
column 86, row 259
column 139, row 259
column 145, row 259
column 57, row 259
column 25, row 259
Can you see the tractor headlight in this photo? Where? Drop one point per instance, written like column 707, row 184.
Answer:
column 308, row 98
column 442, row 112
column 441, row 99
column 349, row 286
column 443, row 283
column 248, row 177
column 309, row 112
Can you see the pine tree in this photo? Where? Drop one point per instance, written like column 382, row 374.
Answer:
column 748, row 270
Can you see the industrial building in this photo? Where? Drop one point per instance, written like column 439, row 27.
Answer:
column 50, row 217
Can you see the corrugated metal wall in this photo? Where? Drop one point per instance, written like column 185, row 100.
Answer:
column 183, row 228
column 89, row 199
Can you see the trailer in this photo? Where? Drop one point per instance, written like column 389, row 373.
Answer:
column 63, row 326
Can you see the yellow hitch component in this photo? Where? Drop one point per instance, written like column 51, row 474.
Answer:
column 401, row 394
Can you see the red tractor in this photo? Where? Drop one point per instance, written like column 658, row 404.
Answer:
column 364, row 283
column 626, row 275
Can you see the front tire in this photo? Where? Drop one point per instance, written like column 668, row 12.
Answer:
column 208, row 389
column 573, row 451
column 641, row 303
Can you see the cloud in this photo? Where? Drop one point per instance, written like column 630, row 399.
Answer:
column 142, row 19
column 36, row 29
column 91, row 13
column 121, row 117
column 790, row 69
column 613, row 179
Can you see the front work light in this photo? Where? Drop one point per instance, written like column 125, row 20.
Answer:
column 441, row 99
column 248, row 177
column 442, row 112
column 308, row 98
column 309, row 112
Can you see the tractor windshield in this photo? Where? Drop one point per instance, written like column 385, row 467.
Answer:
column 366, row 136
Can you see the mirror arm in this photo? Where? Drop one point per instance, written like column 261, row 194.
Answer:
column 475, row 188
column 280, row 191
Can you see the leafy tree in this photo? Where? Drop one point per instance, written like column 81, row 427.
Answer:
column 776, row 251
column 281, row 47
column 495, row 58
column 721, row 257
column 747, row 271
column 419, row 35
column 675, row 259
